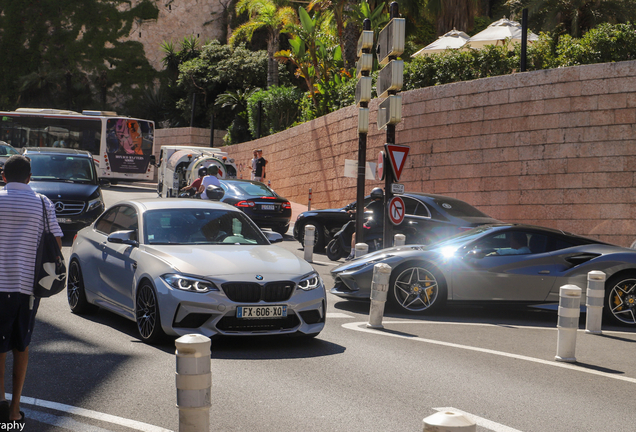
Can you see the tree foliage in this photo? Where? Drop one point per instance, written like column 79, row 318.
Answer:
column 70, row 54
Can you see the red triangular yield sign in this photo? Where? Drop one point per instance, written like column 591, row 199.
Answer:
column 397, row 156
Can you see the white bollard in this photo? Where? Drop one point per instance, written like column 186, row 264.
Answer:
column 379, row 289
column 194, row 382
column 594, row 302
column 310, row 236
column 399, row 240
column 448, row 421
column 568, row 323
column 361, row 249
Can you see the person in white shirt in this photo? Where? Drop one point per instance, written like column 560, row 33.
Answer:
column 210, row 179
column 21, row 228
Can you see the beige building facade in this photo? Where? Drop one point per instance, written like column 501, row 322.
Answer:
column 555, row 148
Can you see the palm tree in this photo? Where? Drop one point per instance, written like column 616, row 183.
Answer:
column 573, row 17
column 450, row 14
column 264, row 14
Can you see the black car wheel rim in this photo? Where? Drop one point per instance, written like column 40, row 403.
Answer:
column 415, row 289
column 146, row 311
column 622, row 301
column 74, row 285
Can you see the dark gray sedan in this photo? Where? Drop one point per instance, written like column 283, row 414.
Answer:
column 496, row 263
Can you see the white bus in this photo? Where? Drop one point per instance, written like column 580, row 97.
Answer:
column 122, row 147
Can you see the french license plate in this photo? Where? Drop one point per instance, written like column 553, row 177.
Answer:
column 268, row 207
column 257, row 312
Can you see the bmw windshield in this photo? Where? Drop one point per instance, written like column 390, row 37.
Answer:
column 200, row 226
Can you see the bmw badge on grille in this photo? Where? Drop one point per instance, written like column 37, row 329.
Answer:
column 259, row 277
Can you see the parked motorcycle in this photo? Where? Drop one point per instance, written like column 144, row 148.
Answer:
column 340, row 245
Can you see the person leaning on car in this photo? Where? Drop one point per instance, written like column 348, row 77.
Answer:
column 210, row 179
column 196, row 184
column 21, row 228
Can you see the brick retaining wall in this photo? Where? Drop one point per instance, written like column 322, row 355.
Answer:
column 552, row 148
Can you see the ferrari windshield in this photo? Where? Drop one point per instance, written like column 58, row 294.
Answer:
column 461, row 238
column 200, row 226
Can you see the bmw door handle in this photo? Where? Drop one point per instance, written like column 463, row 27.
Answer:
column 544, row 272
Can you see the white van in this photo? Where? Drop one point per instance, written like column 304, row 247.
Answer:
column 178, row 166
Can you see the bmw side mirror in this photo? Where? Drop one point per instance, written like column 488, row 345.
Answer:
column 124, row 237
column 273, row 237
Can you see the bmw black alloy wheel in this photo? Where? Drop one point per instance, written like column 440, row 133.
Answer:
column 147, row 314
column 75, row 293
column 621, row 299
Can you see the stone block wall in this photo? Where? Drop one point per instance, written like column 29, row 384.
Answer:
column 554, row 148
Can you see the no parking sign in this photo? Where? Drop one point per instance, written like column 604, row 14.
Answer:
column 396, row 210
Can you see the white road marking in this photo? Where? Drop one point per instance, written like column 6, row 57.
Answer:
column 61, row 422
column 480, row 421
column 361, row 326
column 132, row 424
column 338, row 315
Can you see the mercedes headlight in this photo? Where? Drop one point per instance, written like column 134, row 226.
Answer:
column 93, row 204
column 188, row 283
column 310, row 282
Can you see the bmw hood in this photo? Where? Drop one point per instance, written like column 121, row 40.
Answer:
column 61, row 190
column 238, row 262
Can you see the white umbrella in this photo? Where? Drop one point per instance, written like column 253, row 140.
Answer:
column 452, row 40
column 497, row 32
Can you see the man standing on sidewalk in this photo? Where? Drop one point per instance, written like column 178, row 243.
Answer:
column 21, row 228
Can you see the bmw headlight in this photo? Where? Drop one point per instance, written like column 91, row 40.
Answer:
column 310, row 282
column 93, row 204
column 188, row 283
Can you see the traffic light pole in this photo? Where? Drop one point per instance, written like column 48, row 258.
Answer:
column 362, row 158
column 387, row 238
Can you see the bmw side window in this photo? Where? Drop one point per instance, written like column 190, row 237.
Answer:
column 125, row 220
column 104, row 224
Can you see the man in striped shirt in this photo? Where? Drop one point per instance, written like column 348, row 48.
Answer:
column 21, row 227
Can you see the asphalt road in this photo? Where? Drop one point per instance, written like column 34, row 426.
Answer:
column 91, row 373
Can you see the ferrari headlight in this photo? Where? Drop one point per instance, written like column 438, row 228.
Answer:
column 310, row 282
column 188, row 283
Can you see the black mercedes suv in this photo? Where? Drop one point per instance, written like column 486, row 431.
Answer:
column 69, row 179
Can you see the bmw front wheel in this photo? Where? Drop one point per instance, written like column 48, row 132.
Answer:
column 147, row 314
column 75, row 291
column 620, row 299
column 417, row 287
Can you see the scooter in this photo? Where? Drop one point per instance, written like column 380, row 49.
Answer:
column 340, row 245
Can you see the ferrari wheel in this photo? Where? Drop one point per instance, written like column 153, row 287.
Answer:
column 620, row 299
column 75, row 291
column 147, row 314
column 416, row 287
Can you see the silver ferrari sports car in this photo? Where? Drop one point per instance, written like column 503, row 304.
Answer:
column 496, row 263
column 192, row 266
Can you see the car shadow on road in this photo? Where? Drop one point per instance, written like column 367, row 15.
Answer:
column 226, row 347
column 273, row 348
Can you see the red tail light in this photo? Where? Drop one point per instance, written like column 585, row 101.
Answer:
column 462, row 229
column 244, row 204
column 286, row 205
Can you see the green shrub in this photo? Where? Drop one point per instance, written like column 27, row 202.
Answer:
column 280, row 109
